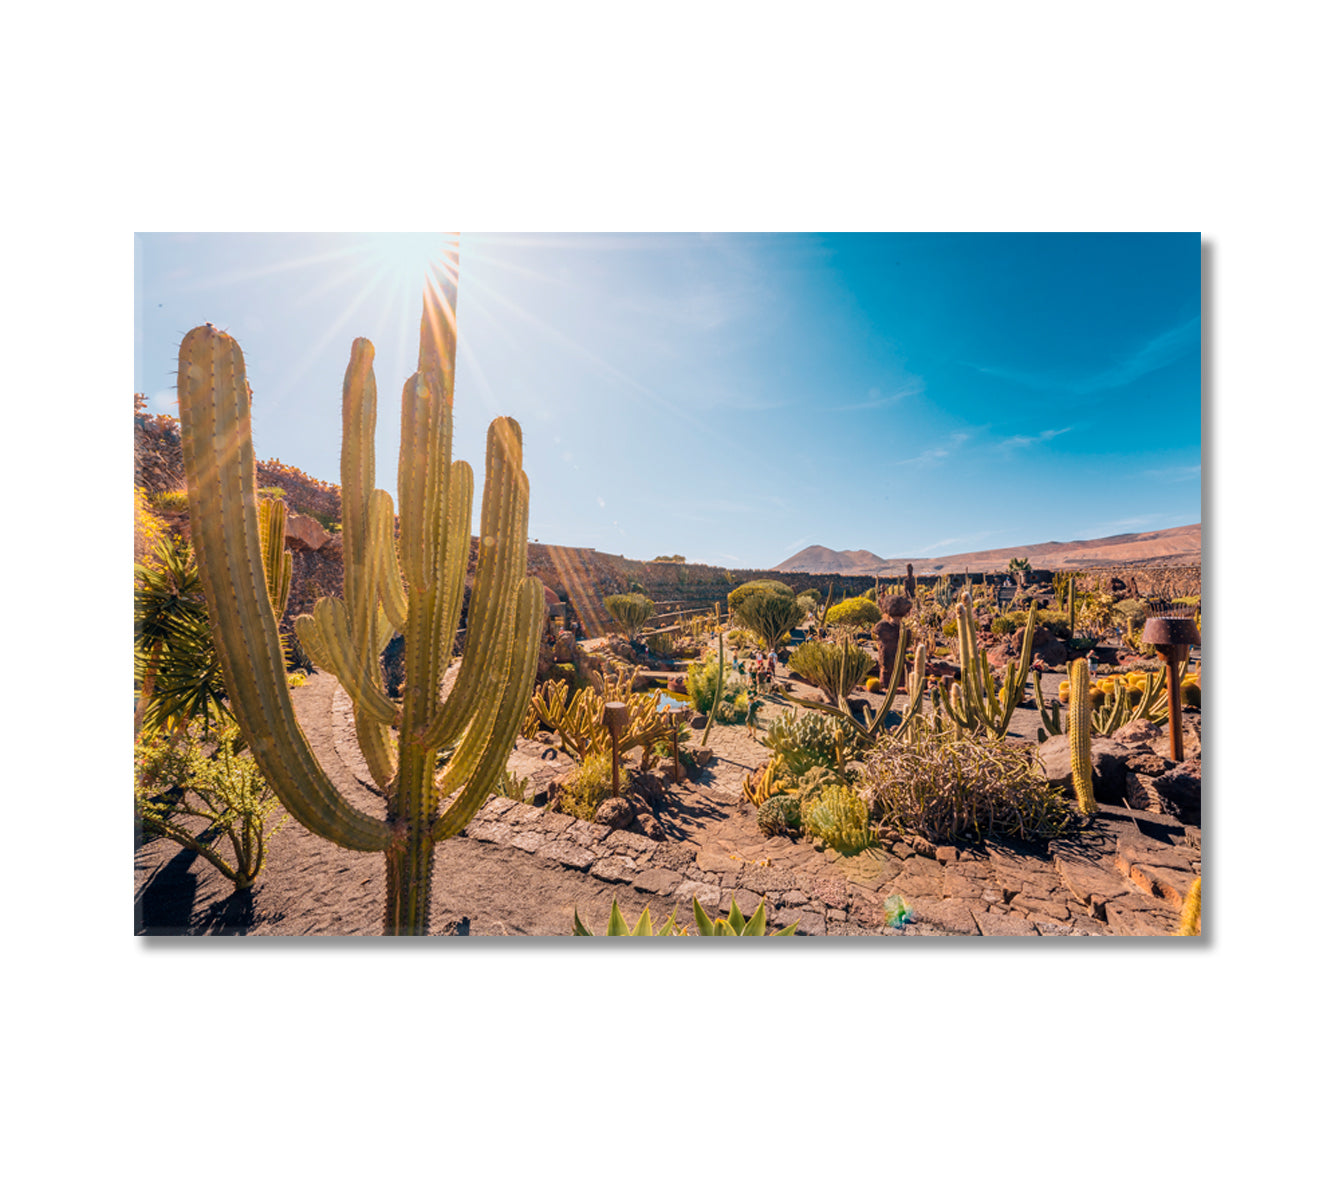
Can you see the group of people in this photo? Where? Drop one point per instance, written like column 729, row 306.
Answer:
column 761, row 669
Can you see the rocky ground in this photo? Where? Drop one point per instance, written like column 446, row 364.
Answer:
column 520, row 870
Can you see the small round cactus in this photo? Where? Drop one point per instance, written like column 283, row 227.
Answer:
column 780, row 815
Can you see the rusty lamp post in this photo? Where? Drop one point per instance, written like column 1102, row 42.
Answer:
column 616, row 718
column 1172, row 636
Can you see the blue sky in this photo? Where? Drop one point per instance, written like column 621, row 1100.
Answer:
column 735, row 398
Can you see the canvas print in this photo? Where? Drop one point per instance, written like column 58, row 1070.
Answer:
column 484, row 585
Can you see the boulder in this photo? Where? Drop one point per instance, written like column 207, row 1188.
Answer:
column 565, row 647
column 1190, row 738
column 1048, row 649
column 646, row 824
column 616, row 812
column 1109, row 767
column 1179, row 792
column 1145, row 762
column 304, row 533
column 1140, row 733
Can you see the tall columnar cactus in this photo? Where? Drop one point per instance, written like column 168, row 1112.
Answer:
column 1190, row 913
column 1081, row 736
column 482, row 712
column 979, row 704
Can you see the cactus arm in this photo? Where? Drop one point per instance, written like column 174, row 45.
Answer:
column 1051, row 723
column 277, row 560
column 219, row 462
column 502, row 555
column 459, row 532
column 378, row 747
column 308, row 633
column 1026, row 651
column 1081, row 743
column 517, row 689
column 718, row 689
column 357, row 463
column 916, row 686
column 387, row 572
column 891, row 688
column 353, row 671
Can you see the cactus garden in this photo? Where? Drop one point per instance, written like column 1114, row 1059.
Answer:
column 372, row 707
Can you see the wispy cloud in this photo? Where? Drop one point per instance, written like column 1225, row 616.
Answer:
column 937, row 453
column 1157, row 352
column 1173, row 474
column 980, row 538
column 1023, row 441
column 878, row 399
column 1139, row 523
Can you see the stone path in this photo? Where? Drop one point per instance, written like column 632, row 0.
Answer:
column 1128, row 875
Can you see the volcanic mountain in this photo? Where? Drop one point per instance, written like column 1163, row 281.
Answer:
column 1162, row 547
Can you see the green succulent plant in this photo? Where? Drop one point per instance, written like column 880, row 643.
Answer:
column 735, row 923
column 617, row 926
column 631, row 611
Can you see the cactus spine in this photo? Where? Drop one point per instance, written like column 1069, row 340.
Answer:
column 1081, row 736
column 482, row 712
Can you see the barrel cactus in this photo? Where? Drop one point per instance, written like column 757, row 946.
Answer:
column 412, row 583
column 780, row 815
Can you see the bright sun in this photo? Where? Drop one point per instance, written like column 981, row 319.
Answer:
column 408, row 259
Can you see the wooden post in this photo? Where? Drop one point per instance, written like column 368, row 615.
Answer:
column 615, row 718
column 1172, row 655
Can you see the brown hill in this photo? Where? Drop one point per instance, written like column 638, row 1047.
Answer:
column 1162, row 547
column 820, row 560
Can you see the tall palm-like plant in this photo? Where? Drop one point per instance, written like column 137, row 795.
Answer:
column 176, row 668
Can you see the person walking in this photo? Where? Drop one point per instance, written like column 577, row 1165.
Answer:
column 752, row 716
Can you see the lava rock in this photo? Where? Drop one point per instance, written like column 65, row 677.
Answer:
column 1109, row 767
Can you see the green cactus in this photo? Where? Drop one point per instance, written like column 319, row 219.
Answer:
column 780, row 814
column 838, row 817
column 1081, row 737
column 978, row 705
column 1190, row 913
column 481, row 715
column 1106, row 717
column 860, row 735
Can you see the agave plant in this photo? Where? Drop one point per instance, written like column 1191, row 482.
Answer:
column 735, row 923
column 617, row 926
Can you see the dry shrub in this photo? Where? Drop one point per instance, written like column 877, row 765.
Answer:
column 944, row 786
